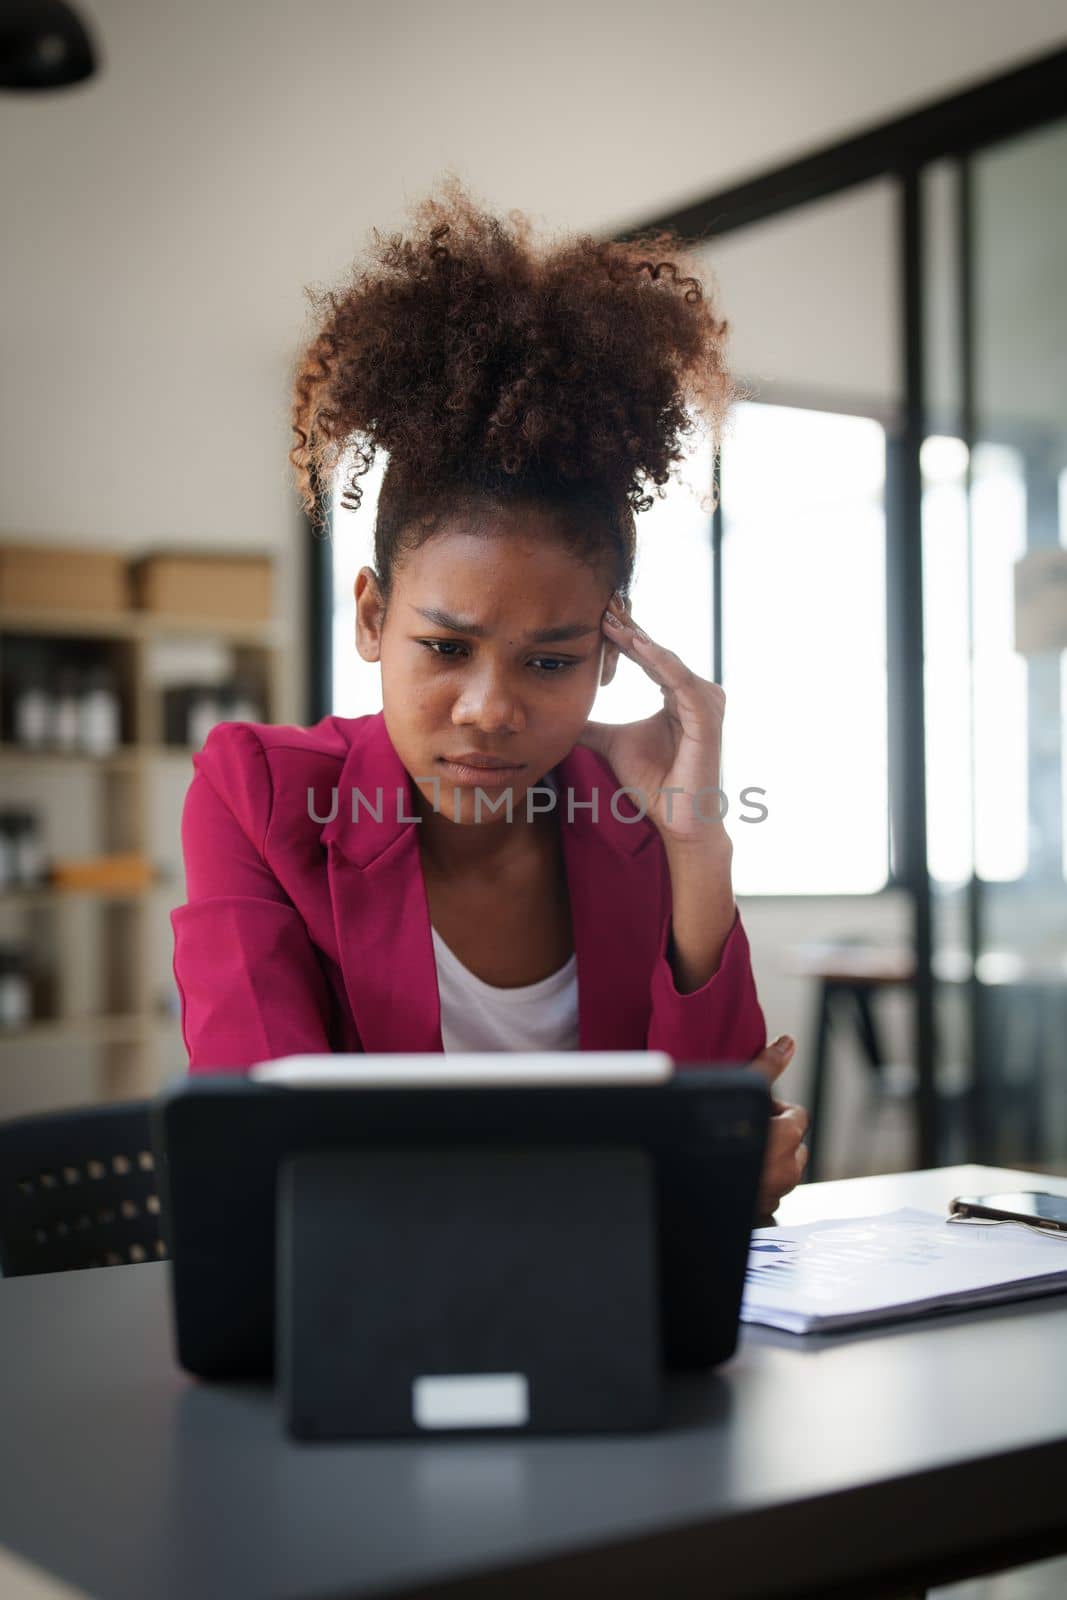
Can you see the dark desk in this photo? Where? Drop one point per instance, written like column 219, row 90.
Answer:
column 911, row 1454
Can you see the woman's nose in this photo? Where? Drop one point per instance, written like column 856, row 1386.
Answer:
column 491, row 702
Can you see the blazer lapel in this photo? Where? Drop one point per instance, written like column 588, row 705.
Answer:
column 380, row 912
column 381, row 915
column 614, row 895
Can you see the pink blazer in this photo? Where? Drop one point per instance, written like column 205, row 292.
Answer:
column 302, row 936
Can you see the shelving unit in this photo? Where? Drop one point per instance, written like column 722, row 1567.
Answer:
column 103, row 945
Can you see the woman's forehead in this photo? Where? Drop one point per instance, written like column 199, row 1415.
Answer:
column 515, row 556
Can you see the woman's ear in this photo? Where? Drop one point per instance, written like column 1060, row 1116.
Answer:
column 370, row 614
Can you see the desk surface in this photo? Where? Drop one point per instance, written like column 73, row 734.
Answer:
column 802, row 1463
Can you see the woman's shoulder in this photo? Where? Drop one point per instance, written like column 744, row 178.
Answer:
column 240, row 744
column 249, row 763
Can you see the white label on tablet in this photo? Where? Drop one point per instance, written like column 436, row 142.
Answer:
column 471, row 1400
column 467, row 1069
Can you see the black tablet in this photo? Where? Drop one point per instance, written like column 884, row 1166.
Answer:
column 221, row 1141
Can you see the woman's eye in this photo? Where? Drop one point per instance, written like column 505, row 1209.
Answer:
column 552, row 666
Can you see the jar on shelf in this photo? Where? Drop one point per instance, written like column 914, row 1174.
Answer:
column 205, row 710
column 66, row 716
column 99, row 718
column 22, row 863
column 16, row 992
column 34, row 705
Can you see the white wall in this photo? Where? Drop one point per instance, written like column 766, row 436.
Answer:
column 162, row 219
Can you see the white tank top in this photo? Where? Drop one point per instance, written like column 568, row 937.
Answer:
column 480, row 1016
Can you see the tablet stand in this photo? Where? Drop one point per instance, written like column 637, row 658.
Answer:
column 444, row 1289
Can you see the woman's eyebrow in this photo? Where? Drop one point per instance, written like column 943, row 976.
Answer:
column 565, row 630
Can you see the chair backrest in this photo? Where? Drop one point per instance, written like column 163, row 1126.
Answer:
column 78, row 1189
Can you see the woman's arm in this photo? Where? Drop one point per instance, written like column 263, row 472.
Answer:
column 707, row 958
column 721, row 1020
column 250, row 984
column 703, row 909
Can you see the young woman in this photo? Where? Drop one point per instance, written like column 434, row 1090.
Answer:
column 479, row 865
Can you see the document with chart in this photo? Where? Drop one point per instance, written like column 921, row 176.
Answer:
column 846, row 1271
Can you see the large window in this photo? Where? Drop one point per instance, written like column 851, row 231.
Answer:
column 976, row 682
column 804, row 650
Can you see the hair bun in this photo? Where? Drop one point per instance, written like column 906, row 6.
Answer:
column 472, row 353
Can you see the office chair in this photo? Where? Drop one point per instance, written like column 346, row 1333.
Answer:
column 78, row 1189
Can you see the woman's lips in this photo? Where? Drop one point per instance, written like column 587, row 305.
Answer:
column 487, row 777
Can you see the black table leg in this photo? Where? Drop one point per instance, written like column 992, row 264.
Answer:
column 869, row 1034
column 820, row 1063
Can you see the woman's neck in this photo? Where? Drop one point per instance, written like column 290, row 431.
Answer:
column 453, row 849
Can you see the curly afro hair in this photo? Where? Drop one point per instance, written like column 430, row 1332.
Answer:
column 493, row 369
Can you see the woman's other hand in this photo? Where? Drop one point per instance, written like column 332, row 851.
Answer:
column 785, row 1157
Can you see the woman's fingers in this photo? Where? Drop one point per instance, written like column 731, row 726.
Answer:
column 701, row 701
column 795, row 1119
column 664, row 666
column 785, row 1157
column 785, row 1131
column 774, row 1058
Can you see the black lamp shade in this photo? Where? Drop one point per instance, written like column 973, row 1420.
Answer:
column 43, row 45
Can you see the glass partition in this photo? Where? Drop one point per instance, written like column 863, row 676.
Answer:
column 995, row 577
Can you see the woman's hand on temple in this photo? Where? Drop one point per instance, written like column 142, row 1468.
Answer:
column 785, row 1157
column 674, row 756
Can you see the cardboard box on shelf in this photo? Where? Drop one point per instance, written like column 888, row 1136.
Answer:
column 238, row 586
column 49, row 577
